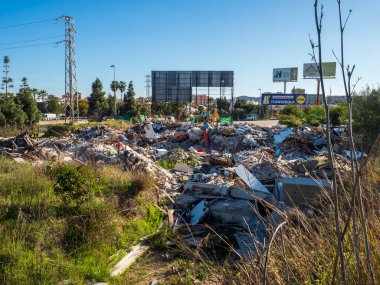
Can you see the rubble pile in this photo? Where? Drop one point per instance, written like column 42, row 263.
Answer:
column 233, row 178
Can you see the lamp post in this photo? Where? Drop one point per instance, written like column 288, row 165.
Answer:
column 114, row 80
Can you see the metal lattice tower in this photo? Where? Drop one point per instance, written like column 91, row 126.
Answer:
column 71, row 93
column 147, row 85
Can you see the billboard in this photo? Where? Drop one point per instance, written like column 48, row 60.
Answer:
column 283, row 99
column 285, row 74
column 310, row 70
column 176, row 86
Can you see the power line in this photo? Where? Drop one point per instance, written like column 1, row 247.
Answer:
column 33, row 40
column 30, row 23
column 36, row 45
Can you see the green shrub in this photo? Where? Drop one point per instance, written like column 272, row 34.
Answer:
column 58, row 130
column 290, row 120
column 339, row 114
column 75, row 184
column 292, row 110
column 315, row 115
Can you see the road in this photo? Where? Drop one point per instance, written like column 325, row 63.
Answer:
column 261, row 123
column 51, row 122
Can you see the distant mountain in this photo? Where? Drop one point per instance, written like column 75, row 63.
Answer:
column 245, row 97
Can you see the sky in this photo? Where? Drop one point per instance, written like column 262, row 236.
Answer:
column 250, row 37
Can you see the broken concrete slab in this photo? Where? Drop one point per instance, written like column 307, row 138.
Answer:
column 211, row 189
column 250, row 179
column 182, row 167
column 129, row 259
column 302, row 191
column 234, row 211
column 198, row 212
column 185, row 201
column 244, row 194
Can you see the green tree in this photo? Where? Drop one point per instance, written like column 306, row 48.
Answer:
column 83, row 107
column 11, row 111
column 53, row 106
column 111, row 105
column 29, row 105
column 366, row 114
column 130, row 104
column 98, row 105
column 6, row 80
column 24, row 85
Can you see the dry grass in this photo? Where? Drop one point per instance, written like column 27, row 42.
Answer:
column 305, row 250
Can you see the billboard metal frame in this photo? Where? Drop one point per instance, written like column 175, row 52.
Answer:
column 178, row 86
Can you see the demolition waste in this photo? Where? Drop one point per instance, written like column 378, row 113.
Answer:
column 230, row 180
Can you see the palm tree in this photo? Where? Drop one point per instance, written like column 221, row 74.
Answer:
column 34, row 92
column 42, row 94
column 114, row 87
column 122, row 88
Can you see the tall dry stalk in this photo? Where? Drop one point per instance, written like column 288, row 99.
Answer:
column 318, row 24
column 347, row 75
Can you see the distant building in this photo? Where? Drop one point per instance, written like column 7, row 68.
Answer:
column 198, row 100
column 311, row 99
column 66, row 96
column 298, row 90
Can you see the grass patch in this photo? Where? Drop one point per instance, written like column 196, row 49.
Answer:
column 169, row 163
column 46, row 240
column 135, row 229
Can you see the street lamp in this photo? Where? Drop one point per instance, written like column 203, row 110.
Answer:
column 114, row 80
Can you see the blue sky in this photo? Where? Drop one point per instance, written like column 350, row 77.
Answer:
column 250, row 37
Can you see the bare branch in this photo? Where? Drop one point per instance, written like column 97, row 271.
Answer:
column 345, row 22
column 336, row 58
column 356, row 83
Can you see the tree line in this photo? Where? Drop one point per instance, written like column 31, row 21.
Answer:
column 22, row 108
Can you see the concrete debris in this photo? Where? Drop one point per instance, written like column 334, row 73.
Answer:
column 302, row 191
column 181, row 167
column 235, row 212
column 128, row 259
column 210, row 189
column 228, row 177
column 198, row 212
column 250, row 179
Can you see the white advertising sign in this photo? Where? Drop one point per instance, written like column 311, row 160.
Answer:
column 285, row 74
